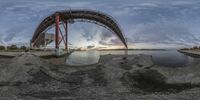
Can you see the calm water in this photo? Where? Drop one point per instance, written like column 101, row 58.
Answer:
column 169, row 58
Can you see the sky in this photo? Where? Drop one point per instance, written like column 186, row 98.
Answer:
column 145, row 23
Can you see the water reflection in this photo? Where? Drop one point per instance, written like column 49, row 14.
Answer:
column 83, row 57
column 169, row 58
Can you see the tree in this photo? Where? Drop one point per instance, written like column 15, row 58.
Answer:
column 23, row 47
column 12, row 47
column 2, row 47
column 195, row 47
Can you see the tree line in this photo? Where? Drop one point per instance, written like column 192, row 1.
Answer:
column 13, row 47
column 193, row 48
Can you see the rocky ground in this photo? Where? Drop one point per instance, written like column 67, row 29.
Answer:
column 133, row 77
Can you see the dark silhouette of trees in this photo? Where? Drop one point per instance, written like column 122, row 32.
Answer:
column 12, row 47
column 2, row 47
column 192, row 48
column 195, row 47
column 23, row 47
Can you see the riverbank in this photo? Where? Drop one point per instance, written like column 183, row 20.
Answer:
column 192, row 53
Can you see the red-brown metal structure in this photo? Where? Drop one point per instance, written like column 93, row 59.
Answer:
column 57, row 30
column 67, row 16
column 66, row 35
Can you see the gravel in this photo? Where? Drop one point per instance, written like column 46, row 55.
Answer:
column 117, row 77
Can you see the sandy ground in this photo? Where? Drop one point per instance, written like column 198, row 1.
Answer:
column 28, row 77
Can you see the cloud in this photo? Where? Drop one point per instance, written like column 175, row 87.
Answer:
column 167, row 32
column 12, row 33
column 142, row 21
column 89, row 34
column 108, row 38
column 90, row 46
column 111, row 42
column 88, row 31
column 105, row 34
column 115, row 41
column 103, row 43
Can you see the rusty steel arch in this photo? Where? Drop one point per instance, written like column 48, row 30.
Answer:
column 79, row 15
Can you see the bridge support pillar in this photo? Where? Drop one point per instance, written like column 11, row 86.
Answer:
column 31, row 44
column 66, row 36
column 57, row 19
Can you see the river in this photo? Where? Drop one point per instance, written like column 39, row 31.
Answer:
column 168, row 58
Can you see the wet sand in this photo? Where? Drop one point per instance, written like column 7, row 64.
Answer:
column 134, row 77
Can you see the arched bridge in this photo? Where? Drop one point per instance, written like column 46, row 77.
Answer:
column 62, row 18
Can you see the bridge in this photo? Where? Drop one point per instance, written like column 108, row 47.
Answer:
column 63, row 18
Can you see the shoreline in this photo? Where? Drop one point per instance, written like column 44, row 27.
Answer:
column 191, row 53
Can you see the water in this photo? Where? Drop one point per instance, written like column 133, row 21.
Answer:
column 169, row 58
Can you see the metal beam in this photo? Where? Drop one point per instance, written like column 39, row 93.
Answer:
column 63, row 38
column 91, row 15
column 65, row 25
column 57, row 30
column 66, row 36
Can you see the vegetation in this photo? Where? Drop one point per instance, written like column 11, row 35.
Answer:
column 135, row 49
column 23, row 47
column 193, row 48
column 12, row 47
column 2, row 47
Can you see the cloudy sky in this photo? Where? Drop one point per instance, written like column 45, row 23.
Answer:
column 145, row 23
